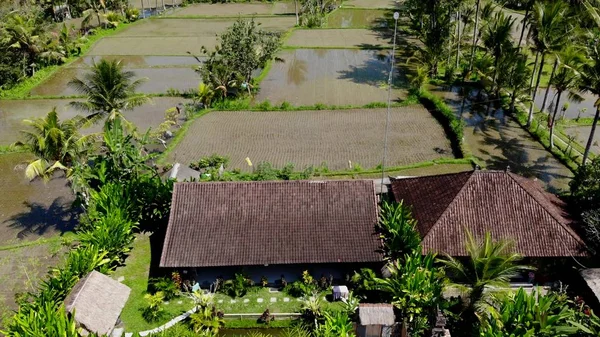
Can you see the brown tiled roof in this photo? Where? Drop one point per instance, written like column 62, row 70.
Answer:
column 502, row 203
column 257, row 223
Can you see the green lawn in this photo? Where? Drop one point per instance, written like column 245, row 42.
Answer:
column 250, row 303
column 136, row 271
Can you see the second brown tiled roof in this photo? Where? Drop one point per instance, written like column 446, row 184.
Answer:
column 502, row 203
column 257, row 223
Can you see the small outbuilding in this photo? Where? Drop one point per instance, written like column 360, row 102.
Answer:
column 375, row 320
column 591, row 277
column 182, row 173
column 97, row 301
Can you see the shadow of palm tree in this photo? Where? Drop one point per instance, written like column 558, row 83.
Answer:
column 39, row 218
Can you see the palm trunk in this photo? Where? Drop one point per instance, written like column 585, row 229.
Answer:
column 297, row 17
column 537, row 85
column 553, row 121
column 513, row 98
column 458, row 40
column 474, row 35
column 535, row 63
column 549, row 85
column 523, row 28
column 143, row 11
column 163, row 4
column 588, row 146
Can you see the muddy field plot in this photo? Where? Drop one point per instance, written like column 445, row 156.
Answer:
column 337, row 38
column 328, row 76
column 204, row 9
column 157, row 80
column 371, row 3
column 173, row 37
column 356, row 18
column 12, row 113
column 307, row 138
column 581, row 135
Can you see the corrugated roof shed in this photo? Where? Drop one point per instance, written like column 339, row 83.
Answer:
column 283, row 222
column 502, row 203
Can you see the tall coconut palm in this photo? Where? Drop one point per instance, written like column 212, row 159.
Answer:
column 489, row 264
column 590, row 81
column 497, row 40
column 109, row 90
column 56, row 144
column 515, row 76
column 548, row 30
column 566, row 79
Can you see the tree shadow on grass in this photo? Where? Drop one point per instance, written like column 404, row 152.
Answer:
column 521, row 158
column 40, row 219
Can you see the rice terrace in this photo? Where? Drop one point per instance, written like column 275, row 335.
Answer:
column 108, row 108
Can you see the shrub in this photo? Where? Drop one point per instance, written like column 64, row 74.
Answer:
column 153, row 311
column 238, row 286
column 398, row 230
column 166, row 286
column 266, row 317
column 212, row 161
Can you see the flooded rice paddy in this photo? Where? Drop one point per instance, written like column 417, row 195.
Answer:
column 328, row 76
column 246, row 9
column 574, row 109
column 372, row 3
column 337, row 38
column 339, row 138
column 12, row 113
column 500, row 142
column 353, row 18
column 156, row 80
column 173, row 37
column 581, row 135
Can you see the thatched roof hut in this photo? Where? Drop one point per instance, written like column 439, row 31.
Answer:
column 376, row 314
column 97, row 301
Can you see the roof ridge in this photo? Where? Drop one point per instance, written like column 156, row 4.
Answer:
column 450, row 204
column 563, row 226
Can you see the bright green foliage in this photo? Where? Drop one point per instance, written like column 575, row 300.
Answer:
column 205, row 94
column 206, row 320
column 56, row 144
column 213, row 161
column 238, row 286
column 154, row 311
column 336, row 325
column 398, row 230
column 48, row 320
column 523, row 314
column 244, row 48
column 108, row 90
column 415, row 287
column 585, row 186
column 490, row 264
column 166, row 286
column 312, row 12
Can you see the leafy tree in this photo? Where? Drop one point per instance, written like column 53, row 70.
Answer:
column 154, row 310
column 206, row 320
column 591, row 78
column 535, row 314
column 567, row 78
column 243, row 48
column 585, row 186
column 415, row 288
column 497, row 40
column 489, row 264
column 398, row 230
column 57, row 145
column 549, row 32
column 591, row 225
column 108, row 89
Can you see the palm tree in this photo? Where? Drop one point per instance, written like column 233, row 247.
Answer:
column 548, row 29
column 24, row 35
column 109, row 90
column 515, row 76
column 497, row 40
column 566, row 79
column 590, row 81
column 489, row 264
column 56, row 145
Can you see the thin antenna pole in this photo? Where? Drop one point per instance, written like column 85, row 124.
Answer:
column 389, row 101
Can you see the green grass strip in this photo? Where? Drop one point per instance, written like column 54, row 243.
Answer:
column 442, row 161
column 232, row 323
column 67, row 237
column 22, row 89
column 224, row 17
